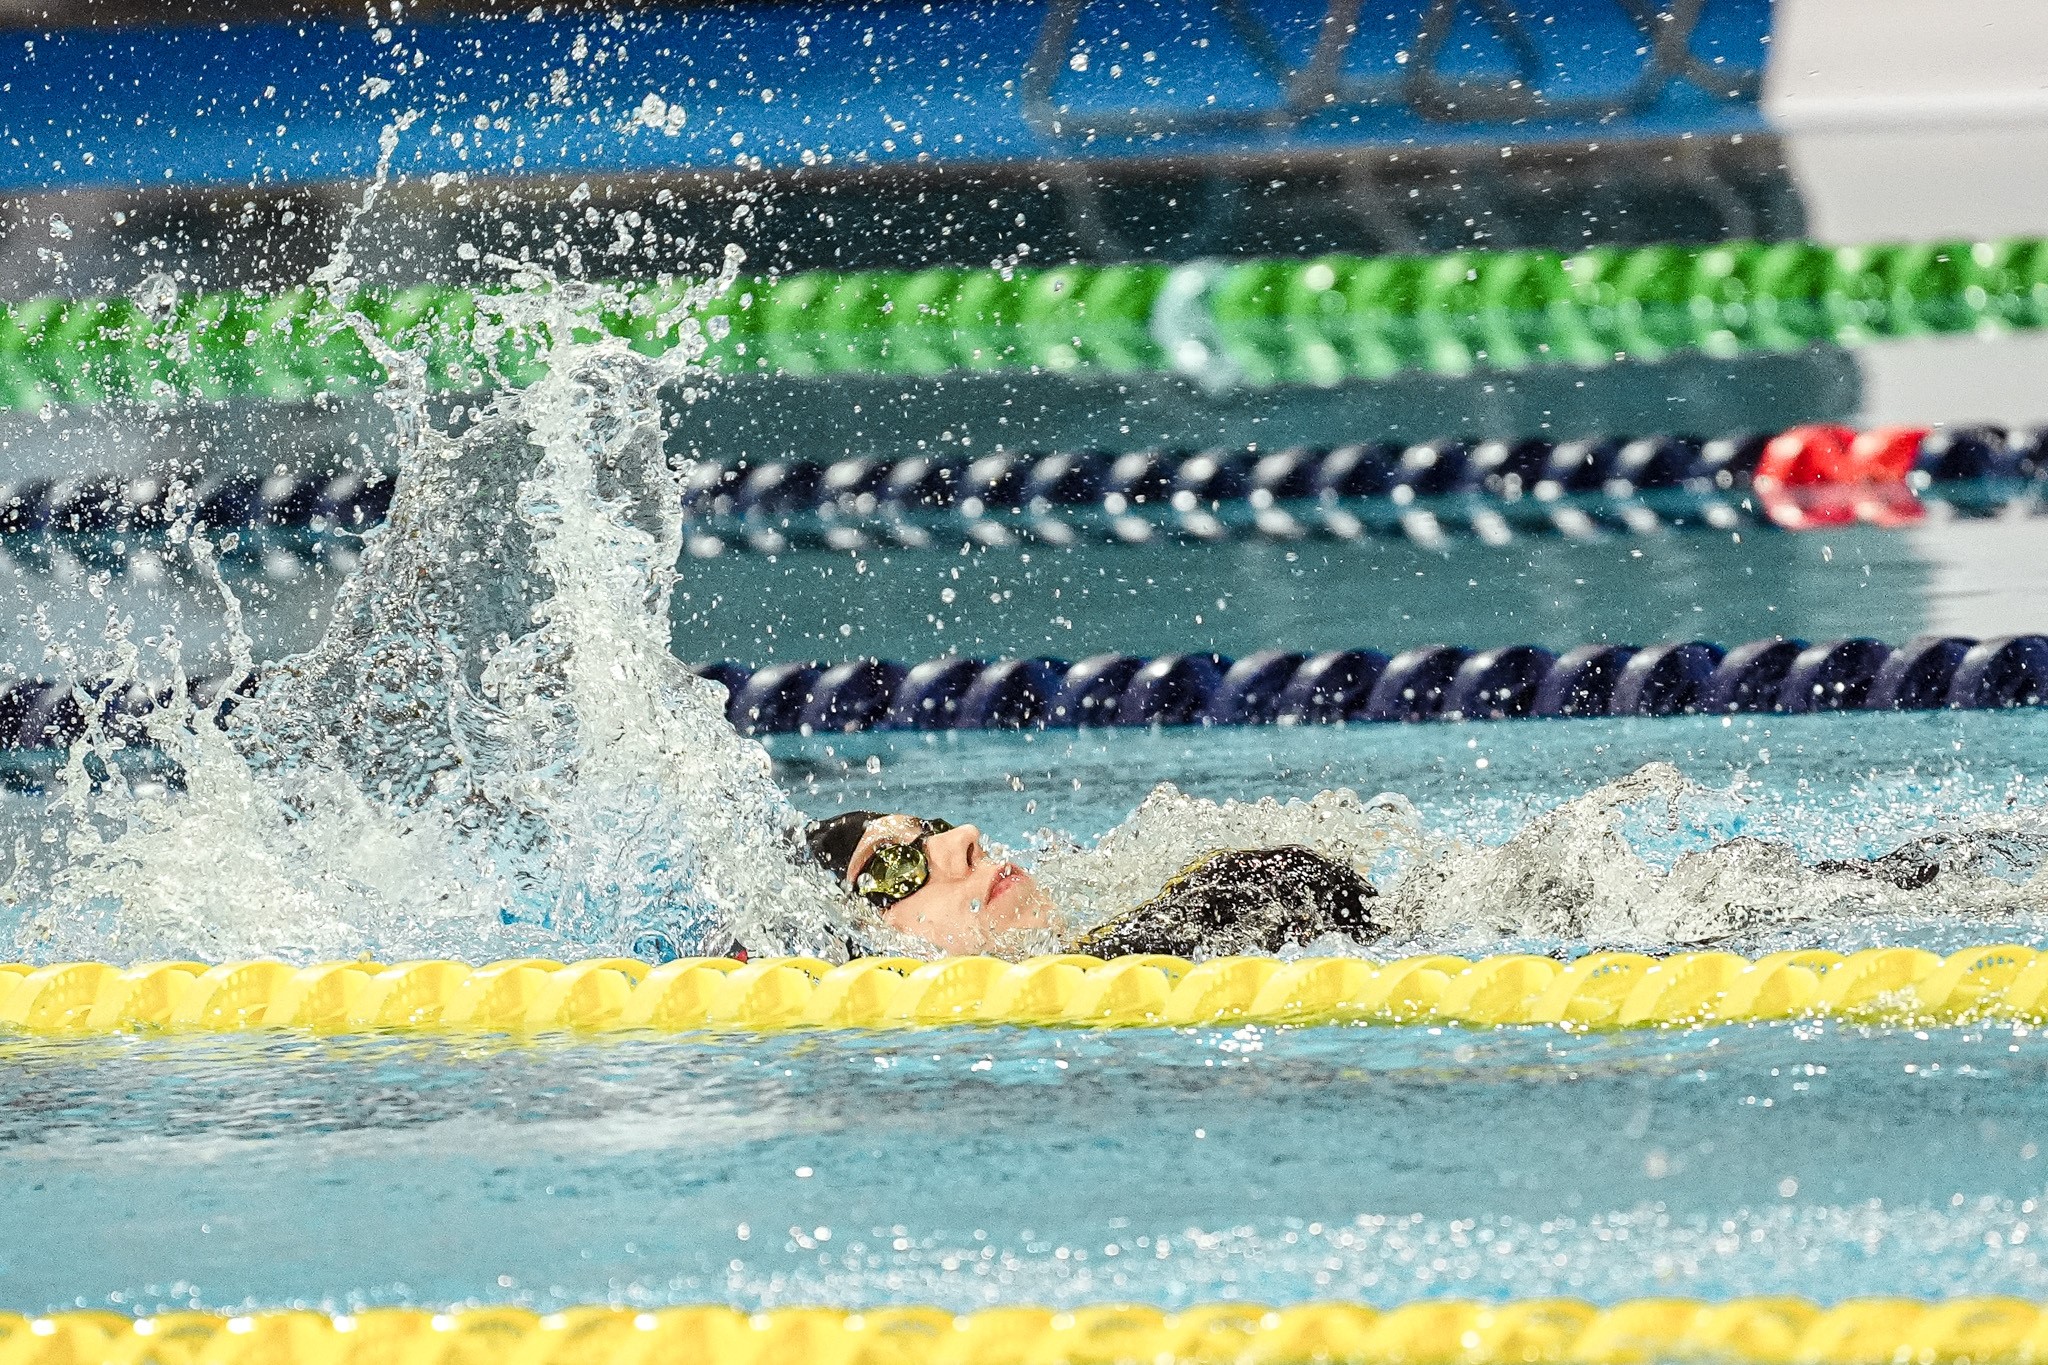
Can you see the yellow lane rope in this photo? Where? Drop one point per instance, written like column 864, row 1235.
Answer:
column 1753, row 1331
column 1900, row 987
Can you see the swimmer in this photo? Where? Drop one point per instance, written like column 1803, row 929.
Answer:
column 937, row 882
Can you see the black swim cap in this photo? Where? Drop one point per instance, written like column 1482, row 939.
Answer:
column 833, row 841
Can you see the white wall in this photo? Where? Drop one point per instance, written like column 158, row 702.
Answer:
column 1914, row 118
column 1856, row 62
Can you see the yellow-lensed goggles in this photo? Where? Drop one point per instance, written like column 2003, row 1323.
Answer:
column 895, row 870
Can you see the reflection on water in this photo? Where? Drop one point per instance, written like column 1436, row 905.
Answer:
column 1243, row 596
column 968, row 1168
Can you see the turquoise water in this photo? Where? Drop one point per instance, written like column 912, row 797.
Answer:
column 1238, row 597
column 978, row 1166
column 975, row 1167
column 1832, row 786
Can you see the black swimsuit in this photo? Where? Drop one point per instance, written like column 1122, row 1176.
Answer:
column 1242, row 901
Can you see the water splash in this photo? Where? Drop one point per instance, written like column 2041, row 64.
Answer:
column 1609, row 868
column 491, row 750
column 1580, row 874
column 1170, row 829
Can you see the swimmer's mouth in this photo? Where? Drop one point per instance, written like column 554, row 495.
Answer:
column 1006, row 879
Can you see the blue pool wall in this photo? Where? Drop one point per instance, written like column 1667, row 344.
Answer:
column 801, row 85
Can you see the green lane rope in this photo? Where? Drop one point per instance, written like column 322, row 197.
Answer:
column 1314, row 321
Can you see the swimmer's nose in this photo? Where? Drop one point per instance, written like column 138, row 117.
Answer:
column 957, row 850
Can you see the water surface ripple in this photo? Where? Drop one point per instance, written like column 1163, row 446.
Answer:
column 970, row 1167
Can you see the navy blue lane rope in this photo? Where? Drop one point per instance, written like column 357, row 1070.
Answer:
column 1503, row 470
column 110, row 505
column 1436, row 490
column 1428, row 523
column 1430, row 491
column 1432, row 682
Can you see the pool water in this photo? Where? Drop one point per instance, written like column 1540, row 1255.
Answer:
column 1968, row 577
column 1833, row 786
column 974, row 1167
column 966, row 1167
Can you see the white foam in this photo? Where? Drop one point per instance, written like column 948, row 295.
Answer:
column 1577, row 875
column 492, row 749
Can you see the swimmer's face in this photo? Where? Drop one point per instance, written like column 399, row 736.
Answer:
column 969, row 902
